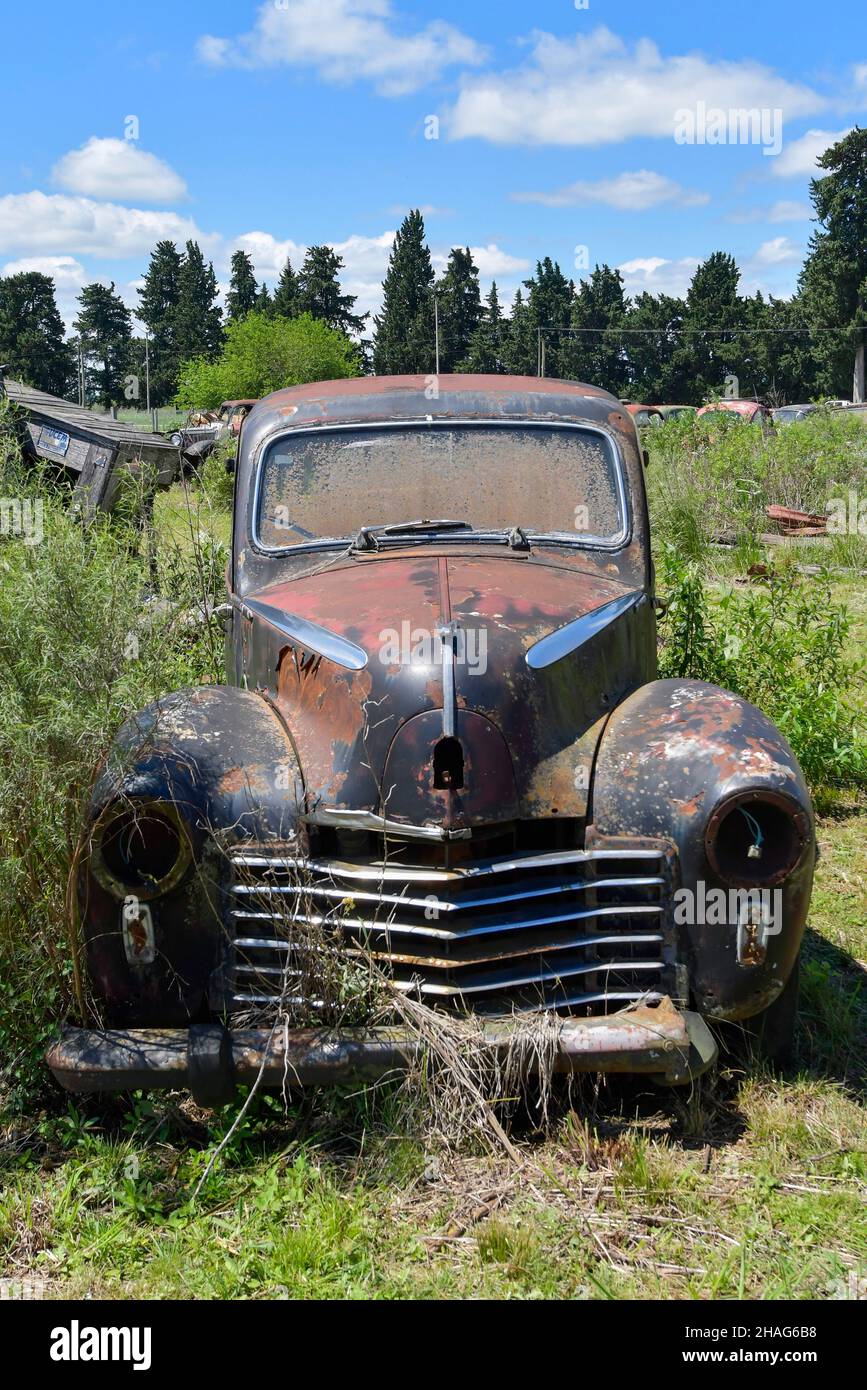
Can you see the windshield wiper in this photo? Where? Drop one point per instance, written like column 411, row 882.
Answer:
column 366, row 536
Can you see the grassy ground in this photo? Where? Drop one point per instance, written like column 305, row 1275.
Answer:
column 745, row 1185
column 167, row 418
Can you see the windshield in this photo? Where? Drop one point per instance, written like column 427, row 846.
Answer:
column 554, row 481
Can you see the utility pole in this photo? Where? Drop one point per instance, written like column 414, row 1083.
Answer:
column 147, row 375
column 81, row 400
column 437, row 334
column 542, row 355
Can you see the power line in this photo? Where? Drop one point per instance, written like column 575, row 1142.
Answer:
column 684, row 332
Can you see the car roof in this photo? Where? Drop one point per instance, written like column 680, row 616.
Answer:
column 464, row 395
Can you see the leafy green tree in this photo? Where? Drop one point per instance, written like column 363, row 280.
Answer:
column 262, row 354
column 486, row 349
column 833, row 282
column 285, row 303
column 198, row 326
column 404, row 329
column 319, row 292
column 459, row 307
column 104, row 327
column 243, row 290
column 158, row 305
column 32, row 335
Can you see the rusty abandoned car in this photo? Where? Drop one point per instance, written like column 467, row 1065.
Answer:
column 442, row 740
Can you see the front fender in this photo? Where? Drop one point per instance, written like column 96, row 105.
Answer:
column 675, row 760
column 219, row 763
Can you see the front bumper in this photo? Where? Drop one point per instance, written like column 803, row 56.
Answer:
column 211, row 1061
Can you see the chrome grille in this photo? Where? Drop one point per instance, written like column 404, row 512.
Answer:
column 579, row 931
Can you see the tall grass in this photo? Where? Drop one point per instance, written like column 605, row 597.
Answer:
column 715, row 476
column 782, row 642
column 83, row 643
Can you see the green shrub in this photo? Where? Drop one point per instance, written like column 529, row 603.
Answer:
column 784, row 644
column 217, row 484
column 263, row 354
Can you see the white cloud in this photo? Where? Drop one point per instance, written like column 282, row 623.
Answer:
column 780, row 250
column 658, row 275
column 493, row 261
column 798, row 158
column 66, row 272
column 48, row 222
column 860, row 72
column 594, row 89
column 118, row 169
column 784, row 210
column 629, row 192
column 344, row 40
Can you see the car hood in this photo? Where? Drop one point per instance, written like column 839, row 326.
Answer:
column 526, row 729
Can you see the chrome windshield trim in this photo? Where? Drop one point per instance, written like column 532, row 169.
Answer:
column 616, row 542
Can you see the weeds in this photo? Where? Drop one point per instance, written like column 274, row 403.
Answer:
column 784, row 644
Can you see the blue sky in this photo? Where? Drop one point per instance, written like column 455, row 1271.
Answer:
column 275, row 126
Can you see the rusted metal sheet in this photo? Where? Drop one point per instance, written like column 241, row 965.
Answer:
column 96, row 449
column 796, row 523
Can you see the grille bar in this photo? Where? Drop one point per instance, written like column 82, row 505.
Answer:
column 468, row 901
column 492, row 928
column 519, row 933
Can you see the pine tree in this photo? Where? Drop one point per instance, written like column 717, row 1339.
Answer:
column 198, row 328
column 833, row 282
column 158, row 305
column 285, row 302
column 712, row 349
column 319, row 291
column 486, row 351
column 32, row 335
column 459, row 307
column 104, row 326
column 520, row 343
column 598, row 357
column 241, row 297
column 404, row 329
column 264, row 301
column 549, row 307
column 657, row 365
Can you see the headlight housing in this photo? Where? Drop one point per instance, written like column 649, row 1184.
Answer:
column 756, row 838
column 141, row 849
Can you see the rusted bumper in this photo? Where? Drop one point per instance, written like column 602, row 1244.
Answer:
column 212, row 1061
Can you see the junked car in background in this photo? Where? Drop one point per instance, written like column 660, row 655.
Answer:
column 644, row 415
column 206, row 428
column 791, row 414
column 442, row 750
column 752, row 412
